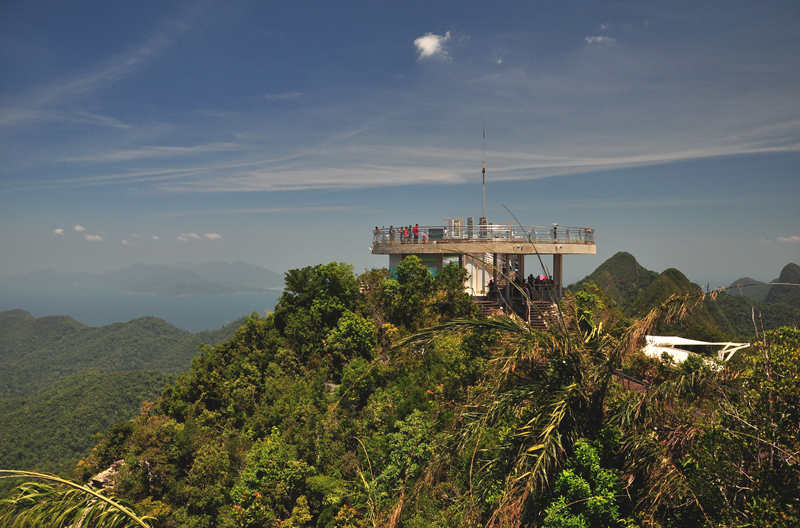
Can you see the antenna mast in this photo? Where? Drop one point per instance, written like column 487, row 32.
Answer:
column 484, row 168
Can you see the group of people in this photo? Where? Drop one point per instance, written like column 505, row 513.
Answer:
column 406, row 234
column 533, row 283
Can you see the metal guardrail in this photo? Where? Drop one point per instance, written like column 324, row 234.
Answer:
column 511, row 232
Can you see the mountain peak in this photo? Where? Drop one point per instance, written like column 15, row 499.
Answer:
column 621, row 277
column 790, row 274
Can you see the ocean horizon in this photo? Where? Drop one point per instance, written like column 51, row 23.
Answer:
column 96, row 307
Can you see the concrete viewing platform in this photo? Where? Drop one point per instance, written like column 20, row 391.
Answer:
column 496, row 238
column 491, row 253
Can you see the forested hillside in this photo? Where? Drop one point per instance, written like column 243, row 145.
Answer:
column 621, row 277
column 371, row 401
column 52, row 429
column 62, row 382
column 35, row 353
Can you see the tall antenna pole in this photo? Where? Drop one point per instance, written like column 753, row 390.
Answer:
column 484, row 168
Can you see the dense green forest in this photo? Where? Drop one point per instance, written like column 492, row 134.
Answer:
column 62, row 382
column 52, row 429
column 377, row 401
column 35, row 353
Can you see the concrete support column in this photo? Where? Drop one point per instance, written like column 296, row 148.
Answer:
column 483, row 274
column 558, row 268
column 507, row 266
column 439, row 263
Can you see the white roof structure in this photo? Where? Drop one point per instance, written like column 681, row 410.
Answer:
column 656, row 345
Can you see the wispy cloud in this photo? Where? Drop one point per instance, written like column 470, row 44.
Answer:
column 211, row 236
column 41, row 104
column 601, row 39
column 185, row 237
column 126, row 243
column 260, row 211
column 14, row 116
column 58, row 231
column 432, row 45
column 288, row 96
column 789, row 240
column 79, row 228
column 155, row 237
column 94, row 238
column 156, row 153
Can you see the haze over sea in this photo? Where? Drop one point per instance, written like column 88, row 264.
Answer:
column 103, row 306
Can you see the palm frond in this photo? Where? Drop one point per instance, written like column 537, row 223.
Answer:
column 68, row 504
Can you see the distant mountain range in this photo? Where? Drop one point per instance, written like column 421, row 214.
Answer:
column 35, row 353
column 636, row 289
column 182, row 279
column 765, row 292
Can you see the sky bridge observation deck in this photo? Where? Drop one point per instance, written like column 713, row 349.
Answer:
column 493, row 254
column 494, row 238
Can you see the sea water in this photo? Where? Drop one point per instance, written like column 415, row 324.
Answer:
column 102, row 306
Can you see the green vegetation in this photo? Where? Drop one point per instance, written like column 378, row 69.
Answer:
column 621, row 277
column 62, row 382
column 790, row 274
column 69, row 504
column 634, row 290
column 52, row 429
column 35, row 353
column 755, row 290
column 373, row 401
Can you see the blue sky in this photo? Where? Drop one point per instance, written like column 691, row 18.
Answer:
column 281, row 133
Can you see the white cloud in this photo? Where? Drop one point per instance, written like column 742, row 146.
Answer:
column 94, row 238
column 605, row 26
column 155, row 237
column 430, row 45
column 602, row 39
column 126, row 243
column 211, row 236
column 58, row 231
column 186, row 236
column 791, row 240
column 80, row 228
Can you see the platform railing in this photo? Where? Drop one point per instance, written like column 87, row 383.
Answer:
column 488, row 233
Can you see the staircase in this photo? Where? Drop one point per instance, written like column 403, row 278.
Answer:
column 488, row 308
column 542, row 314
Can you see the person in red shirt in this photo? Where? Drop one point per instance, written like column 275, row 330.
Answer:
column 416, row 233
